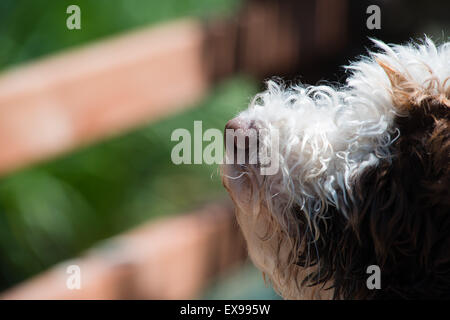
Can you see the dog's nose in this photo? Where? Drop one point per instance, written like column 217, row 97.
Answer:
column 241, row 136
column 242, row 131
column 236, row 124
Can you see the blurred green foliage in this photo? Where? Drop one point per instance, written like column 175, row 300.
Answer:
column 54, row 210
column 32, row 28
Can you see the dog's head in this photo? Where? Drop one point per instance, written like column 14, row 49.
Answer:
column 362, row 178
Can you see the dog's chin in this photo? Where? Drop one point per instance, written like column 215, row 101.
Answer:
column 270, row 249
column 239, row 181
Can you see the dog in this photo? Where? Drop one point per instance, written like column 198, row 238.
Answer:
column 363, row 179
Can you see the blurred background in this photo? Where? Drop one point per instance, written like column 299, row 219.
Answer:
column 70, row 202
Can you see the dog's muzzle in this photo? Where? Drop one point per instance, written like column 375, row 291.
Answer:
column 241, row 141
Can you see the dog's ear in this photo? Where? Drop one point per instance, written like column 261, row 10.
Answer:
column 403, row 91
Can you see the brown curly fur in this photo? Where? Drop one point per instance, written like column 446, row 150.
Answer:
column 400, row 219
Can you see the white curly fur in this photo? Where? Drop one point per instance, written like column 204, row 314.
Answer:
column 329, row 136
